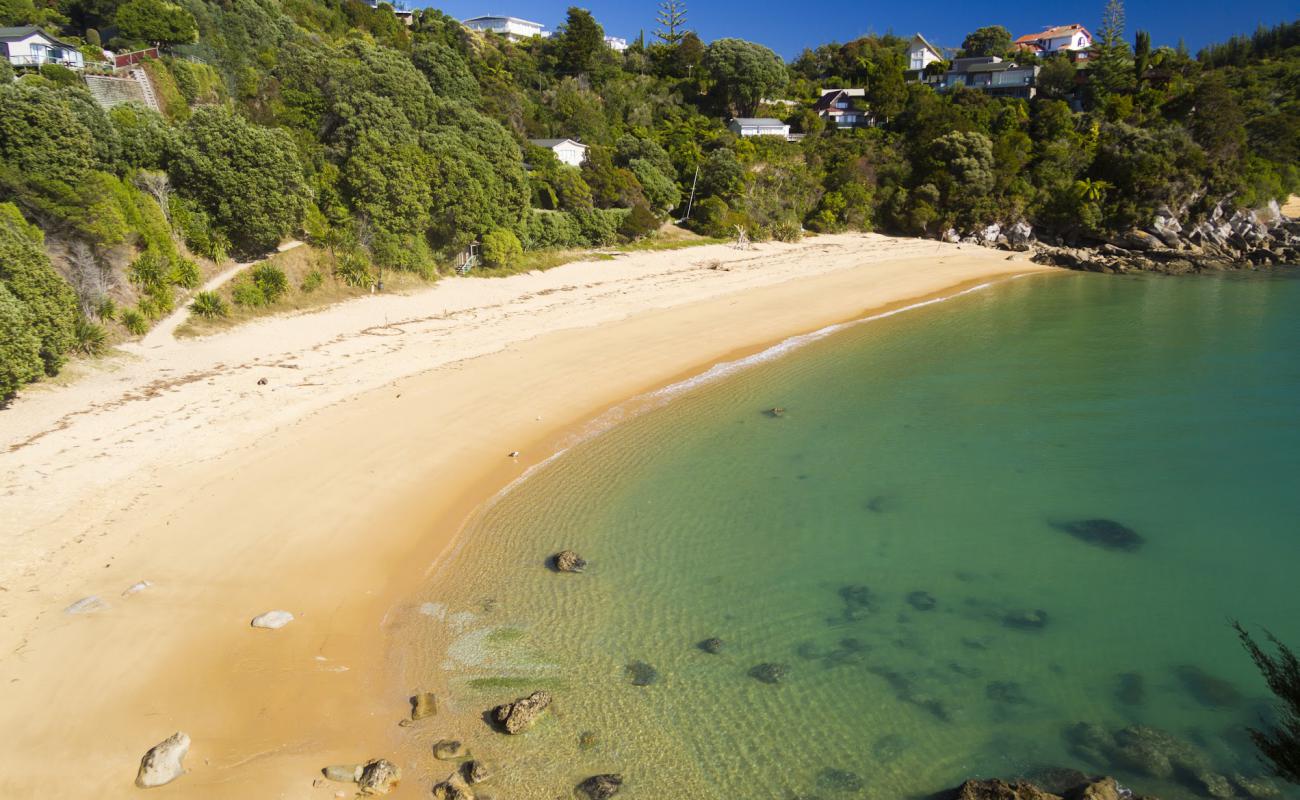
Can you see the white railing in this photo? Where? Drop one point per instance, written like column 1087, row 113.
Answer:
column 41, row 59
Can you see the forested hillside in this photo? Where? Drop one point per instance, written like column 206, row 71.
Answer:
column 392, row 147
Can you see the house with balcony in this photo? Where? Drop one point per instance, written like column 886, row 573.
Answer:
column 844, row 108
column 920, row 54
column 1073, row 40
column 989, row 74
column 29, row 46
column 513, row 28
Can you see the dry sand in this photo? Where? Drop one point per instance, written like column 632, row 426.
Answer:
column 330, row 490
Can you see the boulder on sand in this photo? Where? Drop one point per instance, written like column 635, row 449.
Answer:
column 449, row 750
column 379, row 777
column 520, row 715
column 568, row 561
column 164, row 762
column 343, row 773
column 601, row 787
column 424, row 704
column 272, row 620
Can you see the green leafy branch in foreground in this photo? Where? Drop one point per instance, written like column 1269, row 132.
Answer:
column 1279, row 744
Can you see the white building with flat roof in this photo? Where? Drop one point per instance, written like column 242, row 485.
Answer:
column 616, row 43
column 513, row 28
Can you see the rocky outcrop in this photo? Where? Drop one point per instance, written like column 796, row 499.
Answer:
column 519, row 716
column 164, row 762
column 1086, row 789
column 378, row 777
column 1224, row 240
column 568, row 561
column 601, row 787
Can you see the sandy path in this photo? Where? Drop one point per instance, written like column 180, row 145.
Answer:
column 329, row 490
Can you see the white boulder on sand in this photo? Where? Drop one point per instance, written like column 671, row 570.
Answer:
column 163, row 763
column 87, row 605
column 273, row 620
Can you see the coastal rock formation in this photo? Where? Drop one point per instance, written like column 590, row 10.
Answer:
column 520, row 715
column 343, row 773
column 568, row 561
column 272, row 620
column 1105, row 533
column 711, row 645
column 601, row 787
column 423, row 705
column 164, row 762
column 768, row 672
column 1083, row 789
column 454, row 788
column 1145, row 750
column 378, row 777
column 449, row 750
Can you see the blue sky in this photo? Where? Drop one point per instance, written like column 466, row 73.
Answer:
column 788, row 27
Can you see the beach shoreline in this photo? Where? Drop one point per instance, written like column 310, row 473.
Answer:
column 335, row 502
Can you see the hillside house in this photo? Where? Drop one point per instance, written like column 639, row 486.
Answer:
column 29, row 46
column 988, row 74
column 921, row 54
column 616, row 43
column 566, row 150
column 513, row 28
column 844, row 108
column 759, row 126
column 1071, row 39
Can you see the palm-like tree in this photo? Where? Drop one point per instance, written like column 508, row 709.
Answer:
column 1091, row 190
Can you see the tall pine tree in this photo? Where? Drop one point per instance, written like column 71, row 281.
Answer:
column 672, row 19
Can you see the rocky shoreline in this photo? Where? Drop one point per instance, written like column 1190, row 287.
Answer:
column 1224, row 241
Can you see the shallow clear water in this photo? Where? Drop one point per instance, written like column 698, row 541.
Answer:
column 929, row 452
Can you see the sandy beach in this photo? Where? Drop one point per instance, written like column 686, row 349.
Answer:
column 329, row 489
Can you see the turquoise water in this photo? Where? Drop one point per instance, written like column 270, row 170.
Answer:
column 895, row 542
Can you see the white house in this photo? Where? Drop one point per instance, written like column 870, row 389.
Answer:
column 513, row 28
column 29, row 46
column 759, row 126
column 1058, row 38
column 616, row 43
column 566, row 150
column 844, row 108
column 921, row 54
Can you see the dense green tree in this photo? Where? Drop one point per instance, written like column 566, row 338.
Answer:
column 1056, row 78
column 41, row 133
column 388, row 182
column 991, row 40
column 49, row 304
column 671, row 17
column 145, row 139
column 1112, row 67
column 20, row 348
column 743, row 73
column 1141, row 55
column 446, row 70
column 155, row 21
column 246, row 177
column 581, row 40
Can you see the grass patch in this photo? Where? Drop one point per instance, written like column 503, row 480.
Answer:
column 308, row 285
column 655, row 245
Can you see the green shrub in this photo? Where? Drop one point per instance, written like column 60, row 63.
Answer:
column 354, row 270
column 147, row 271
column 135, row 323
column 311, row 281
column 92, row 339
column 640, row 222
column 107, row 309
column 501, row 248
column 20, row 347
column 209, row 304
column 271, row 280
column 185, row 273
column 248, row 294
column 59, row 74
column 787, row 230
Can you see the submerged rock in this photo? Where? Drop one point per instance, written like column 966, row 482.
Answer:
column 423, row 705
column 1025, row 620
column 588, row 740
column 711, row 645
column 520, row 715
column 378, row 777
column 839, row 780
column 601, row 787
column 164, row 762
column 449, row 750
column 272, row 620
column 858, row 601
column 1131, row 690
column 1001, row 790
column 768, row 672
column 921, row 601
column 454, row 788
column 1057, row 780
column 1105, row 533
column 475, row 771
column 641, row 673
column 568, row 561
column 1008, row 692
column 1256, row 787
column 1209, row 691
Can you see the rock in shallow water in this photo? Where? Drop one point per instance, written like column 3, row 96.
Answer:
column 568, row 561
column 1208, row 690
column 1025, row 620
column 839, row 780
column 423, row 705
column 641, row 673
column 272, row 620
column 449, row 750
column 768, row 672
column 379, row 777
column 1131, row 690
column 712, row 645
column 601, row 787
column 520, row 715
column 1105, row 533
column 922, row 601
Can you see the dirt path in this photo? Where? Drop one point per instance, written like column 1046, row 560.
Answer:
column 164, row 333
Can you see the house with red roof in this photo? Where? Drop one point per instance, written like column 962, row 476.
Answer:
column 1070, row 39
